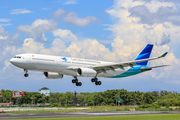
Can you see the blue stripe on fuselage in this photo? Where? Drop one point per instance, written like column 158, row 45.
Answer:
column 130, row 72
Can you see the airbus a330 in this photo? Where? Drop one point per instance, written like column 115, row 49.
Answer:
column 54, row 67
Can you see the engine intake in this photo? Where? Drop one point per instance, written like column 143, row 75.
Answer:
column 52, row 75
column 86, row 72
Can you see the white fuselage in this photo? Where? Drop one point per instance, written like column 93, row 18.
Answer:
column 59, row 64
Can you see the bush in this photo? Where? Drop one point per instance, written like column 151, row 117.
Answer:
column 126, row 109
column 155, row 106
column 55, row 105
column 103, row 104
column 112, row 104
column 176, row 103
column 167, row 106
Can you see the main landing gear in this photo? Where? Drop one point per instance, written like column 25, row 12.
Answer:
column 96, row 81
column 26, row 74
column 75, row 80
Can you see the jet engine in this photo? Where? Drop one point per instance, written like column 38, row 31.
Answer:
column 52, row 75
column 86, row 72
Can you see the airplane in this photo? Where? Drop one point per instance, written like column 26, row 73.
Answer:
column 54, row 67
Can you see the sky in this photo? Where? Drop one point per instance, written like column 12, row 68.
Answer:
column 95, row 29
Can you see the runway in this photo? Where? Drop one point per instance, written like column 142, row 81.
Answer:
column 81, row 114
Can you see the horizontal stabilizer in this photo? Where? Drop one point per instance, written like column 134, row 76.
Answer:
column 154, row 67
column 159, row 66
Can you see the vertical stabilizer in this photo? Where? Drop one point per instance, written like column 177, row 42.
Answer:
column 145, row 54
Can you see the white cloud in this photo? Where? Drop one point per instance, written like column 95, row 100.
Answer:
column 70, row 2
column 4, row 20
column 7, row 64
column 5, row 24
column 58, row 13
column 38, row 27
column 7, row 50
column 20, row 11
column 156, row 12
column 131, row 36
column 153, row 6
column 31, row 46
column 72, row 19
column 90, row 48
column 65, row 35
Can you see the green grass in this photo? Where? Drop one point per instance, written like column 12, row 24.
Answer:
column 94, row 109
column 42, row 111
column 91, row 109
column 130, row 117
column 109, row 108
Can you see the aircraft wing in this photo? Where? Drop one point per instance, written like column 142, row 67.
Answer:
column 104, row 68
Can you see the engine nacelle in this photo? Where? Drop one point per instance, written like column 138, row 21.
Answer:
column 52, row 75
column 86, row 72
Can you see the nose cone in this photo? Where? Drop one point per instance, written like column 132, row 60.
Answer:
column 13, row 61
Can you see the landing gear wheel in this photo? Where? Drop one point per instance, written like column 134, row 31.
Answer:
column 26, row 75
column 76, row 80
column 73, row 81
column 99, row 83
column 79, row 83
column 96, row 83
column 92, row 80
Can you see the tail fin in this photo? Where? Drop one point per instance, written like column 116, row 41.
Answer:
column 144, row 54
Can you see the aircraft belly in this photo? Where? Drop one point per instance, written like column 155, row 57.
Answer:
column 69, row 72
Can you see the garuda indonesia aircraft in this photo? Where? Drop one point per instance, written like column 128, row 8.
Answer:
column 54, row 67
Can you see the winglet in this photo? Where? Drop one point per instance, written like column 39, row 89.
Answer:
column 164, row 54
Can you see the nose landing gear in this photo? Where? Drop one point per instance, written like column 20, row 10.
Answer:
column 26, row 74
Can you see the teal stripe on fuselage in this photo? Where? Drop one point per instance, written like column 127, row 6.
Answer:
column 130, row 72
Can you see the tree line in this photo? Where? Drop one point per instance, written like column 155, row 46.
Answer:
column 108, row 97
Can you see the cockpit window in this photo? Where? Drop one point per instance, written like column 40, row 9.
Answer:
column 17, row 57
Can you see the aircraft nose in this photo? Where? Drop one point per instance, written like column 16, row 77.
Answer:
column 12, row 60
